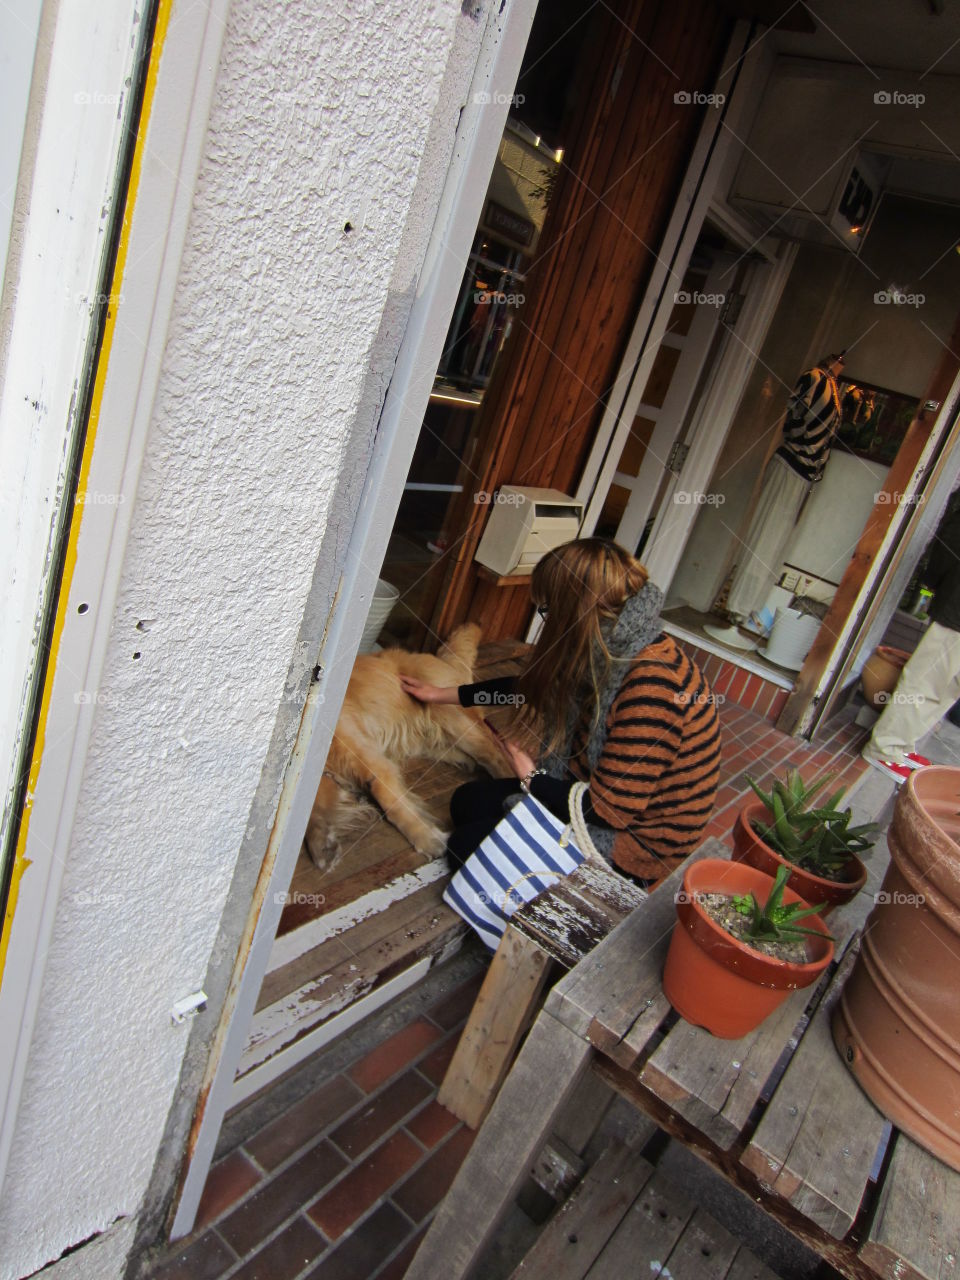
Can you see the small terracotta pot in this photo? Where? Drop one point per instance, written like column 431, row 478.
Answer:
column 717, row 982
column 880, row 674
column 748, row 847
column 897, row 1022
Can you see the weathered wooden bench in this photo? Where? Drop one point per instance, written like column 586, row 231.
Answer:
column 559, row 927
column 627, row 1218
column 776, row 1113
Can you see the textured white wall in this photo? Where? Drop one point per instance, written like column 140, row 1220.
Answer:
column 284, row 331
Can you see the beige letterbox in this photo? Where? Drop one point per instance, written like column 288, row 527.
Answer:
column 523, row 525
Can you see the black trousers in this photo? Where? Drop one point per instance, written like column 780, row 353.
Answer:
column 475, row 809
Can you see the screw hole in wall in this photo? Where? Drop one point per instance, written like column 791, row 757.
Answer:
column 82, row 608
column 136, row 656
column 348, row 226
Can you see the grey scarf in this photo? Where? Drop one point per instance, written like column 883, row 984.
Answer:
column 636, row 627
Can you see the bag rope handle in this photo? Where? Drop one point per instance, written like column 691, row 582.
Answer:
column 579, row 826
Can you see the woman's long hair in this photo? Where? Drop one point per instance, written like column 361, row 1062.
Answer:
column 581, row 586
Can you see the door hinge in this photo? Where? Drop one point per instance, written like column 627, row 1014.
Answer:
column 678, row 456
column 732, row 307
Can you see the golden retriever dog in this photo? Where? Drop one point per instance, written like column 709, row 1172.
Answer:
column 380, row 727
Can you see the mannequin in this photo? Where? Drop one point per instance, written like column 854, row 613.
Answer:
column 812, row 417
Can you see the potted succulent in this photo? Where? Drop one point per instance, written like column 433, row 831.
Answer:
column 816, row 844
column 738, row 948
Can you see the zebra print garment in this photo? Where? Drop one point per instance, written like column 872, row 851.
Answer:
column 813, row 414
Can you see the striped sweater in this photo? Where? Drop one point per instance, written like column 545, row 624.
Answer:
column 812, row 417
column 656, row 780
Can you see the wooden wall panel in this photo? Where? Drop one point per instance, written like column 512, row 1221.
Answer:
column 625, row 158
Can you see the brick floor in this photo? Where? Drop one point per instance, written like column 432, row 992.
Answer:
column 342, row 1185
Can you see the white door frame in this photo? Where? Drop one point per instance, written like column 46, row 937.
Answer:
column 694, row 347
column 718, row 403
column 740, row 83
column 58, row 250
column 481, row 125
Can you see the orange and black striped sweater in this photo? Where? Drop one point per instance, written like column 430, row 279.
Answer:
column 656, row 779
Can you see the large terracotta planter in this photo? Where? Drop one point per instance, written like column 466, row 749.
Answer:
column 717, row 982
column 749, row 848
column 897, row 1023
column 880, row 674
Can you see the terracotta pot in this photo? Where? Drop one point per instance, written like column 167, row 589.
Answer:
column 897, row 1023
column 749, row 848
column 880, row 674
column 717, row 982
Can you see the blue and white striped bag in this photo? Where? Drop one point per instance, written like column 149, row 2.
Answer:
column 528, row 851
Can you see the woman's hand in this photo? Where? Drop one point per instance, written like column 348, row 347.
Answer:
column 424, row 692
column 520, row 762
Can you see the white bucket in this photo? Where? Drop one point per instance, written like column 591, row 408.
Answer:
column 790, row 640
column 385, row 596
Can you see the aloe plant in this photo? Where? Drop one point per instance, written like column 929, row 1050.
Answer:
column 820, row 840
column 775, row 921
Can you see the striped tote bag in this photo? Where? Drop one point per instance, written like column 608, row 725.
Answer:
column 528, row 851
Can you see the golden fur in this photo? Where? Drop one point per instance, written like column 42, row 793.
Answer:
column 380, row 727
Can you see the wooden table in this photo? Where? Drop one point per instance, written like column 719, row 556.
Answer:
column 777, row 1113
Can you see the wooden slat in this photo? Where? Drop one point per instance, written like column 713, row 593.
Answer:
column 576, row 1235
column 570, row 919
column 915, row 1233
column 616, row 996
column 500, row 1015
column 817, row 1140
column 647, row 1234
column 705, row 1251
column 363, row 940
column 715, row 1084
column 746, row 1266
column 543, row 1077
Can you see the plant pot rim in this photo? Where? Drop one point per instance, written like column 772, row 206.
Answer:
column 699, row 923
column 855, row 864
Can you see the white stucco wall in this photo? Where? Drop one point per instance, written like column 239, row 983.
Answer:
column 279, row 351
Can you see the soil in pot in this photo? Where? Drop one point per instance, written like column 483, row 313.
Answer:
column 720, row 907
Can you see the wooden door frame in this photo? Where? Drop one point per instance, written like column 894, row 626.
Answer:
column 743, row 76
column 923, row 465
column 703, row 166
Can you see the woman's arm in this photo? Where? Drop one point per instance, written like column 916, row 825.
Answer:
column 484, row 693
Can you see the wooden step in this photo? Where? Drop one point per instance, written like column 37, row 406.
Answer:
column 300, row 997
column 627, row 1218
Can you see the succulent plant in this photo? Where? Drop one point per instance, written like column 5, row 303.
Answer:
column 820, row 840
column 775, row 921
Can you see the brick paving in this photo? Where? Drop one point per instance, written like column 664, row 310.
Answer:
column 342, row 1185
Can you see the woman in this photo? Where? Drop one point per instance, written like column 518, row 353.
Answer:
column 606, row 698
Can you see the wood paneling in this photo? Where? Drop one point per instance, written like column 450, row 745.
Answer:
column 626, row 151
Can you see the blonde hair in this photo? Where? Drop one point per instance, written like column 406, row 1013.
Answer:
column 581, row 585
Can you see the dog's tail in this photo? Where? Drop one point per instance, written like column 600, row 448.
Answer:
column 460, row 649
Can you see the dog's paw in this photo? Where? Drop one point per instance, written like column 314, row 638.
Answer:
column 433, row 842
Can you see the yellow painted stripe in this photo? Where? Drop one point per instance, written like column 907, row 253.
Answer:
column 21, row 861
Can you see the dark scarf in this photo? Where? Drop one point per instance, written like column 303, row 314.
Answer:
column 636, row 627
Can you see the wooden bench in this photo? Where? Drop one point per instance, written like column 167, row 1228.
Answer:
column 627, row 1218
column 776, row 1113
column 559, row 927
